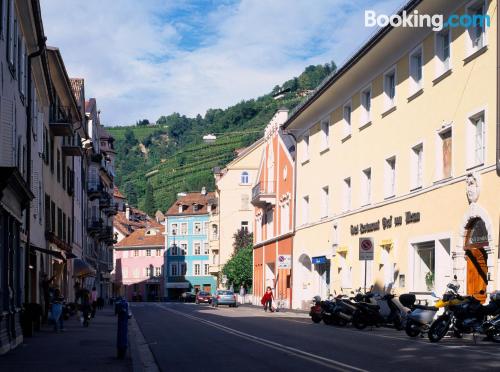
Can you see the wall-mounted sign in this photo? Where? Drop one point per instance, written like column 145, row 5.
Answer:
column 284, row 261
column 318, row 260
column 386, row 223
column 366, row 249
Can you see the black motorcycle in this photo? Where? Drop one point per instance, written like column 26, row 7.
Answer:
column 316, row 311
column 371, row 314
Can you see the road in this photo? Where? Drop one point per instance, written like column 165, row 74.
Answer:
column 189, row 337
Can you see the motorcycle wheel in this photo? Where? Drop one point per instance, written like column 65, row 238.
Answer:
column 457, row 334
column 438, row 330
column 341, row 322
column 316, row 318
column 412, row 329
column 398, row 324
column 327, row 320
column 358, row 321
column 493, row 336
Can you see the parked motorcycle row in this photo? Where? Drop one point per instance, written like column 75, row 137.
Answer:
column 452, row 313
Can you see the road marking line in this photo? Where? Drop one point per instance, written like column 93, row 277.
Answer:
column 330, row 363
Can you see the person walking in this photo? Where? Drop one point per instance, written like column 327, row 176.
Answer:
column 267, row 300
column 242, row 294
column 56, row 310
column 93, row 301
column 85, row 298
column 45, row 284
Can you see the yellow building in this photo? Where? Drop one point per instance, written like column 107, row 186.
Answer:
column 232, row 210
column 400, row 146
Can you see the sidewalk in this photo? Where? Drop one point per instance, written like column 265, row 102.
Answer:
column 75, row 349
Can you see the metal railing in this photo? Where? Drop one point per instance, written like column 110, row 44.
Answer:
column 263, row 188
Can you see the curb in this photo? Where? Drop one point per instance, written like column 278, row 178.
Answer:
column 142, row 357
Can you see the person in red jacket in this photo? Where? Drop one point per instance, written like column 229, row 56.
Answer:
column 267, row 299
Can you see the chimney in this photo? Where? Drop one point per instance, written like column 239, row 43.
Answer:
column 127, row 212
column 203, row 191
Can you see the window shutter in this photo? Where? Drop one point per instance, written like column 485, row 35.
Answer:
column 35, row 189
column 7, row 143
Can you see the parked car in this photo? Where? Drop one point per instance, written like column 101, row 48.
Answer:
column 203, row 297
column 188, row 297
column 223, row 297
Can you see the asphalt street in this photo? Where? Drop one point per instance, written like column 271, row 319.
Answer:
column 189, row 337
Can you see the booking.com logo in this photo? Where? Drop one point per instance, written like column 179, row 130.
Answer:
column 436, row 21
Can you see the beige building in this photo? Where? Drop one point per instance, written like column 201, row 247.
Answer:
column 231, row 210
column 400, row 146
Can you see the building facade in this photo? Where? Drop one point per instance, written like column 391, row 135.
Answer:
column 272, row 197
column 187, row 260
column 231, row 210
column 399, row 146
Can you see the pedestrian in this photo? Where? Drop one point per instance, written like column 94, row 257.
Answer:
column 46, row 293
column 93, row 301
column 242, row 294
column 56, row 310
column 85, row 298
column 267, row 300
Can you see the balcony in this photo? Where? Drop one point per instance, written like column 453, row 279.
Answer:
column 72, row 150
column 111, row 211
column 60, row 121
column 214, row 269
column 105, row 200
column 94, row 226
column 94, row 190
column 264, row 193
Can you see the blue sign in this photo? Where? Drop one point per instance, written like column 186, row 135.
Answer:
column 318, row 260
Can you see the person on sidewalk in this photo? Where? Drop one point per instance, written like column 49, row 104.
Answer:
column 93, row 301
column 56, row 310
column 242, row 294
column 267, row 300
column 85, row 307
column 45, row 284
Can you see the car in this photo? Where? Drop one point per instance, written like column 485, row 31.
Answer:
column 224, row 297
column 203, row 297
column 188, row 297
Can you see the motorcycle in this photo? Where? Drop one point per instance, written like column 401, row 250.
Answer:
column 316, row 311
column 420, row 317
column 381, row 310
column 491, row 327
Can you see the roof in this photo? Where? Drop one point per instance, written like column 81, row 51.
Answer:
column 336, row 75
column 189, row 200
column 104, row 134
column 146, row 237
column 117, row 193
column 89, row 105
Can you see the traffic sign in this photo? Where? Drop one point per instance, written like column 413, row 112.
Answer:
column 284, row 261
column 366, row 249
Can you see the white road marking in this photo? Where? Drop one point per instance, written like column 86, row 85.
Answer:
column 330, row 363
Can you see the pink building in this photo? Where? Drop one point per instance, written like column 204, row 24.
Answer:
column 139, row 264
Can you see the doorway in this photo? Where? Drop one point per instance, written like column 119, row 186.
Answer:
column 323, row 277
column 270, row 276
column 476, row 239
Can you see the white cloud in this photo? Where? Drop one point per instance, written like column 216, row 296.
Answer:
column 137, row 66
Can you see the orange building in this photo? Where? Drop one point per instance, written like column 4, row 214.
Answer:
column 272, row 197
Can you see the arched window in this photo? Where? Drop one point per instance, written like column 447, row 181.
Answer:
column 245, row 178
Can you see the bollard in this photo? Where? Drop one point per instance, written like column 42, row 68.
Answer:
column 122, row 333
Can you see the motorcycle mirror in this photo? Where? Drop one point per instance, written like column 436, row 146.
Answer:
column 455, row 277
column 433, row 294
column 482, row 292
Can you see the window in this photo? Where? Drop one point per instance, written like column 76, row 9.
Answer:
column 245, row 202
column 148, row 252
column 215, row 232
column 197, row 228
column 416, row 70
column 324, row 201
column 347, row 194
column 173, row 229
column 390, row 89
column 136, row 253
column 367, row 189
column 196, row 207
column 445, row 158
column 157, row 271
column 174, row 250
column 197, row 248
column 59, row 223
column 443, row 45
column 183, row 249
column 206, row 269
column 173, row 269
column 476, row 139
column 158, row 252
column 205, row 227
column 305, row 146
column 184, row 228
column 10, row 32
column 425, row 258
column 325, row 134
column 417, row 159
column 196, row 269
column 244, row 178
column 476, row 31
column 244, row 225
column 183, row 268
column 390, row 179
column 366, row 105
column 148, row 272
column 347, row 111
column 205, row 248
column 269, row 224
column 305, row 209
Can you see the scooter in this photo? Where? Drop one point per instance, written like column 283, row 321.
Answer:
column 316, row 311
column 419, row 319
column 491, row 327
column 379, row 311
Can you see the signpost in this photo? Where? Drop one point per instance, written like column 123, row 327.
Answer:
column 366, row 252
column 284, row 261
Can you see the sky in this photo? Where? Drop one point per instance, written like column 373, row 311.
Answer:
column 144, row 59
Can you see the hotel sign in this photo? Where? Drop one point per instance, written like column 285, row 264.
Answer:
column 385, row 223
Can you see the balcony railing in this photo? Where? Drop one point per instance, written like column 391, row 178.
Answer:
column 94, row 189
column 60, row 120
column 94, row 226
column 264, row 193
column 105, row 200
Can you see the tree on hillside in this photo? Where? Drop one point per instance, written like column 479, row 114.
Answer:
column 143, row 122
column 239, row 268
column 242, row 238
column 149, row 202
column 130, row 139
column 130, row 193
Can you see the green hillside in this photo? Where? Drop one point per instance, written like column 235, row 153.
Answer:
column 155, row 162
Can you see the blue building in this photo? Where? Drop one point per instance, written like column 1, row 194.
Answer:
column 187, row 264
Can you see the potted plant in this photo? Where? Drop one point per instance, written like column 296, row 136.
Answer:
column 429, row 280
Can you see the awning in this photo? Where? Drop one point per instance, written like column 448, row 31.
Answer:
column 82, row 269
column 56, row 254
column 178, row 285
column 387, row 243
column 318, row 260
column 342, row 249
